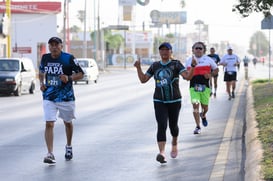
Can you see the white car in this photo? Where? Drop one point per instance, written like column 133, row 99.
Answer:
column 90, row 68
column 17, row 75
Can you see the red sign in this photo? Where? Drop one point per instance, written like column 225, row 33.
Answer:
column 22, row 50
column 32, row 7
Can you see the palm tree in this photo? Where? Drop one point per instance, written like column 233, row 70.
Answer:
column 182, row 3
column 81, row 15
column 113, row 42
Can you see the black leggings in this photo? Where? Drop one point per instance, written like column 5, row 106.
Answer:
column 163, row 113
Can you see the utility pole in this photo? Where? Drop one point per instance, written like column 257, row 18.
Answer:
column 66, row 32
column 84, row 54
column 64, row 27
column 95, row 33
column 8, row 12
column 98, row 34
column 67, row 38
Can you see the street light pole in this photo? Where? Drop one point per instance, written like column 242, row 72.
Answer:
column 199, row 23
column 124, row 49
column 269, row 58
column 84, row 33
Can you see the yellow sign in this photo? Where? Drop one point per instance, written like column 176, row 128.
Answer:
column 127, row 13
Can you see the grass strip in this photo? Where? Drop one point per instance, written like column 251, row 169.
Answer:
column 263, row 105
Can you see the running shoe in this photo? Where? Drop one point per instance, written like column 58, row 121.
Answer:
column 229, row 97
column 68, row 153
column 197, row 130
column 204, row 120
column 50, row 159
column 160, row 158
column 174, row 154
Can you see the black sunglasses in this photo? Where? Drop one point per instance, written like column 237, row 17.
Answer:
column 198, row 48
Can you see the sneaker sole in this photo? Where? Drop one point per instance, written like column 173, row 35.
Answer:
column 48, row 161
column 160, row 158
column 67, row 159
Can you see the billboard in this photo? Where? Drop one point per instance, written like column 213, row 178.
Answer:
column 127, row 13
column 127, row 2
column 168, row 17
column 32, row 7
column 140, row 37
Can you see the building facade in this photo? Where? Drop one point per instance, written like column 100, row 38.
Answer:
column 31, row 25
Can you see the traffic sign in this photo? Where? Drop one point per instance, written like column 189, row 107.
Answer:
column 267, row 23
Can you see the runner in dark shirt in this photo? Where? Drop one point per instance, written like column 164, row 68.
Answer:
column 214, row 78
column 167, row 96
column 56, row 80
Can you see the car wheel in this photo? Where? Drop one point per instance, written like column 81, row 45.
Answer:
column 32, row 88
column 18, row 92
column 96, row 80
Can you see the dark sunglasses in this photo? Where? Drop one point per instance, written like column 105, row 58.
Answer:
column 198, row 48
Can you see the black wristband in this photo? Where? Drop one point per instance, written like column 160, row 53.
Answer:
column 192, row 65
column 69, row 78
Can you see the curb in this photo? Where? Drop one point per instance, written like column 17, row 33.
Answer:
column 254, row 151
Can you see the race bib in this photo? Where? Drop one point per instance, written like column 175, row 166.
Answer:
column 54, row 80
column 162, row 83
column 199, row 87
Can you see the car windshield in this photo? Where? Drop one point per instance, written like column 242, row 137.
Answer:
column 83, row 63
column 9, row 65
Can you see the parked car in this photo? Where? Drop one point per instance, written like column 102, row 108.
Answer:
column 90, row 68
column 17, row 75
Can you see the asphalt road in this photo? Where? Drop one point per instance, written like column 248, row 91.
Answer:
column 114, row 135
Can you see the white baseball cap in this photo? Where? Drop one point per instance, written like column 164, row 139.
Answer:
column 229, row 48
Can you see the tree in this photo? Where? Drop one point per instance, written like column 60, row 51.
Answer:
column 113, row 42
column 170, row 37
column 75, row 29
column 258, row 45
column 81, row 15
column 246, row 7
column 182, row 3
